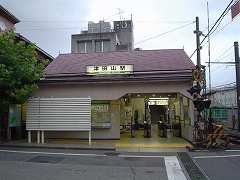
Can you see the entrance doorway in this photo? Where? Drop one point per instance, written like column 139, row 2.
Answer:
column 158, row 113
column 137, row 110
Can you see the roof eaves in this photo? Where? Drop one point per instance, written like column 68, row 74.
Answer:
column 10, row 16
column 38, row 48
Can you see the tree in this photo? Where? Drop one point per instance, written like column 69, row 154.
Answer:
column 20, row 70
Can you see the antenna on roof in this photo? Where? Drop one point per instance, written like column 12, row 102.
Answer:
column 120, row 11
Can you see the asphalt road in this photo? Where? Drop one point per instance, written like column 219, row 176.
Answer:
column 224, row 165
column 58, row 164
column 42, row 164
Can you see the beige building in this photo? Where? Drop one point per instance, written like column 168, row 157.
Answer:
column 125, row 88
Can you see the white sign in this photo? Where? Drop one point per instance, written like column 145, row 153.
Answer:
column 158, row 101
column 100, row 107
column 110, row 69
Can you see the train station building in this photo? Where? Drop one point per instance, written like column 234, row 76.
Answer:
column 127, row 89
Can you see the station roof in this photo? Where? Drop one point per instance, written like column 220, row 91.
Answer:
column 146, row 63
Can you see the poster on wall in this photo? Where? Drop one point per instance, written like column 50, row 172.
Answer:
column 14, row 117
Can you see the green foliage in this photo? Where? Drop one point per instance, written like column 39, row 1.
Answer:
column 19, row 69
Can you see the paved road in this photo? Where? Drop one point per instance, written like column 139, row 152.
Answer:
column 39, row 164
column 223, row 165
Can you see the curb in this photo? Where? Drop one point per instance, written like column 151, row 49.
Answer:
column 58, row 147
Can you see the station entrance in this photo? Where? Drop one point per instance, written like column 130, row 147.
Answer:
column 153, row 119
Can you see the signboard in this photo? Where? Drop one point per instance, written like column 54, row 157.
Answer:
column 102, row 108
column 158, row 101
column 101, row 115
column 118, row 25
column 109, row 69
column 14, row 119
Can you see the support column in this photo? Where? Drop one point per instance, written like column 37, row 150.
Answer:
column 237, row 65
column 29, row 137
column 38, row 137
column 89, row 138
column 42, row 137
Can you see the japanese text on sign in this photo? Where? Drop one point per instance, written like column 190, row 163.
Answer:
column 110, row 69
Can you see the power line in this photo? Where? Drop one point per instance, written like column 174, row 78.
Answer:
column 50, row 28
column 224, row 85
column 216, row 24
column 62, row 28
column 214, row 34
column 162, row 34
column 51, row 21
column 221, row 55
column 226, row 62
column 85, row 21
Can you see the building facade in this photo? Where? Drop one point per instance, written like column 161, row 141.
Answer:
column 151, row 83
column 224, row 105
column 101, row 37
column 7, row 20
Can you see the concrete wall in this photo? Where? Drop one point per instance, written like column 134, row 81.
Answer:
column 122, row 36
column 110, row 91
column 125, row 37
column 93, row 37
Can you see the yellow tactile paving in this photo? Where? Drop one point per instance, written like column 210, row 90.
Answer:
column 138, row 142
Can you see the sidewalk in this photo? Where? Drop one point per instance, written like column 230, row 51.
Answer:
column 126, row 144
column 49, row 145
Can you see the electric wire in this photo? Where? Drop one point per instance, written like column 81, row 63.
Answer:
column 85, row 21
column 53, row 28
column 225, row 85
column 164, row 33
column 214, row 34
column 76, row 27
column 216, row 24
column 222, row 55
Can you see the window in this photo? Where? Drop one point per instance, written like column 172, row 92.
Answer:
column 106, row 46
column 98, row 46
column 81, row 47
column 102, row 46
column 85, row 46
column 89, row 46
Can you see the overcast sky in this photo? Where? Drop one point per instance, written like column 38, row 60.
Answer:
column 50, row 24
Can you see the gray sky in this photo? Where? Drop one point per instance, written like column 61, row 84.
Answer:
column 50, row 24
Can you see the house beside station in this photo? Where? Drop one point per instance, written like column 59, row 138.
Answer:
column 9, row 129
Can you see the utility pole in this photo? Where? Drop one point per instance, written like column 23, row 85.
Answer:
column 236, row 51
column 198, row 33
column 209, row 53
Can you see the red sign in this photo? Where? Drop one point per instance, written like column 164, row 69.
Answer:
column 235, row 9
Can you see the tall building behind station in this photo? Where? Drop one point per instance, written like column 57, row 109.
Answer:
column 102, row 37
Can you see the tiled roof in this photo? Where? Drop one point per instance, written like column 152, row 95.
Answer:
column 142, row 61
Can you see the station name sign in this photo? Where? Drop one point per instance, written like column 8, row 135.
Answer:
column 109, row 69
